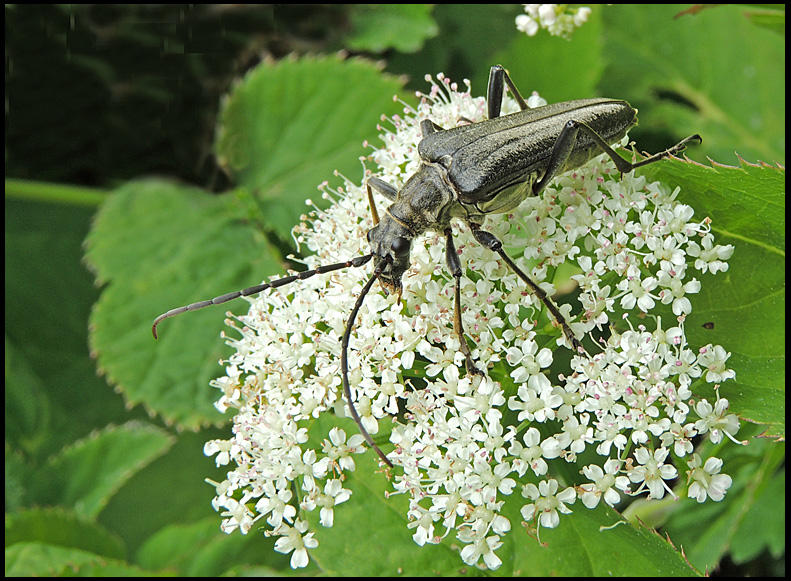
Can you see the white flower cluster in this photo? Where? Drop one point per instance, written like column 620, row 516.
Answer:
column 464, row 444
column 558, row 19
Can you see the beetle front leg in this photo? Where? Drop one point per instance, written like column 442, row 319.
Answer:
column 491, row 242
column 381, row 186
column 567, row 140
column 454, row 265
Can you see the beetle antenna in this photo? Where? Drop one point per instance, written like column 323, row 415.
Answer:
column 347, row 392
column 357, row 261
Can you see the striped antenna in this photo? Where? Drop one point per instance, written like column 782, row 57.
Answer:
column 357, row 261
column 347, row 392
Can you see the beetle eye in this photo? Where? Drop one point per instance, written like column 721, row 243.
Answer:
column 400, row 246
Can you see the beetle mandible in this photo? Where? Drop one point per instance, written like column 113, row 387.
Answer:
column 468, row 172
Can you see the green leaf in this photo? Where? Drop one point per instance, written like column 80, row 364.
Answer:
column 42, row 560
column 773, row 19
column 56, row 526
column 28, row 408
column 763, row 527
column 559, row 69
column 580, row 546
column 583, row 545
column 53, row 393
column 201, row 549
column 87, row 474
column 170, row 490
column 367, row 520
column 747, row 303
column 158, row 245
column 730, row 88
column 379, row 27
column 749, row 520
column 469, row 35
column 287, row 126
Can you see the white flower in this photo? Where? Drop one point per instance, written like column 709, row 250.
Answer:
column 603, row 484
column 666, row 251
column 609, row 433
column 526, row 24
column 237, row 514
column 557, row 19
column 422, row 520
column 710, row 257
column 339, row 451
column 716, row 420
column 713, row 358
column 680, row 437
column 535, row 405
column 485, row 548
column 222, row 448
column 458, row 450
column 275, row 503
column 637, row 291
column 528, row 361
column 652, row 472
column 581, row 17
column 576, row 434
column 295, row 539
column 531, row 454
column 547, row 502
column 334, row 494
column 487, row 481
column 675, row 290
column 706, row 479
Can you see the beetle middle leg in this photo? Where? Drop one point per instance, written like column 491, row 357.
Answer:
column 491, row 242
column 454, row 265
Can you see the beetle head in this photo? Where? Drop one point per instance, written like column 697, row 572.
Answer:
column 390, row 242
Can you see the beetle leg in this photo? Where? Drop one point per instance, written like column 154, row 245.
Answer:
column 498, row 78
column 383, row 188
column 677, row 148
column 372, row 204
column 567, row 140
column 492, row 243
column 454, row 265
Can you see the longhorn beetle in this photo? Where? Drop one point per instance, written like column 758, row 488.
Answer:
column 467, row 172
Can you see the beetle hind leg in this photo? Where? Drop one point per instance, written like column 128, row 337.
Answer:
column 493, row 243
column 671, row 151
column 567, row 140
